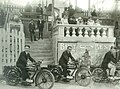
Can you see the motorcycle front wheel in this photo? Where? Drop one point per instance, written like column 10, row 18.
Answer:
column 44, row 79
column 83, row 77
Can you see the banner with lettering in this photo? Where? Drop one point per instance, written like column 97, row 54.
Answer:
column 96, row 50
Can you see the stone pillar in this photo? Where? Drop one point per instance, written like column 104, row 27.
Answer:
column 110, row 32
column 61, row 31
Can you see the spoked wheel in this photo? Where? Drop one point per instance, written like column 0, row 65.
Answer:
column 116, row 81
column 97, row 75
column 12, row 77
column 83, row 77
column 44, row 80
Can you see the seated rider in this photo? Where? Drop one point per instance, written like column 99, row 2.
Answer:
column 109, row 61
column 22, row 62
column 85, row 62
column 64, row 59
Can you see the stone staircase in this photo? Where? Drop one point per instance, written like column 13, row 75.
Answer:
column 41, row 50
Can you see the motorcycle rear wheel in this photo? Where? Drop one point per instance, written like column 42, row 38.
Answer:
column 44, row 79
column 97, row 74
column 12, row 77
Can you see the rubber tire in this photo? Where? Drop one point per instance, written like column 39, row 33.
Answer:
column 41, row 73
column 83, row 72
column 12, row 77
column 97, row 74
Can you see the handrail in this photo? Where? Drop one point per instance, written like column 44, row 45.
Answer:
column 76, row 25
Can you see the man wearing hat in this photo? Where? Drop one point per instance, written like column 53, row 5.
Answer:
column 32, row 30
column 22, row 62
column 39, row 9
column 80, row 21
column 40, row 26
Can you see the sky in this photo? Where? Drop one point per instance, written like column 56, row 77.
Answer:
column 104, row 4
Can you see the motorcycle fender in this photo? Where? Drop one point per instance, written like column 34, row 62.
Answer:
column 85, row 68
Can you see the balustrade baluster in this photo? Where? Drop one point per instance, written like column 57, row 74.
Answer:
column 92, row 32
column 86, row 32
column 104, row 34
column 98, row 32
column 80, row 32
column 73, row 33
column 67, row 32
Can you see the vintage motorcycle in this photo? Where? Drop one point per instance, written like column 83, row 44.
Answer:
column 101, row 75
column 82, row 75
column 41, row 77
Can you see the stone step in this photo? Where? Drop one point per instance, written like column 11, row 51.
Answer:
column 41, row 54
column 45, row 63
column 41, row 48
column 40, row 51
column 45, row 39
column 41, row 45
column 43, row 58
column 36, row 42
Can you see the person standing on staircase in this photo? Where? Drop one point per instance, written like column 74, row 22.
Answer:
column 40, row 26
column 32, row 30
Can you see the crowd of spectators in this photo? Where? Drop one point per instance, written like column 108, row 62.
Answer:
column 69, row 18
column 29, row 8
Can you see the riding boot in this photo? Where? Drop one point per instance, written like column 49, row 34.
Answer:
column 24, row 83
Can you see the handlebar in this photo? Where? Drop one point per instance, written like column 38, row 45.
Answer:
column 38, row 63
column 76, row 62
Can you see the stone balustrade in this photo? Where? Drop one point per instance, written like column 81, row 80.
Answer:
column 86, row 31
column 96, row 39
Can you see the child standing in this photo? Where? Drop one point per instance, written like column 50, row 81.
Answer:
column 85, row 62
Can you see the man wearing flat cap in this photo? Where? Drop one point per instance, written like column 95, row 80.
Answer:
column 22, row 63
